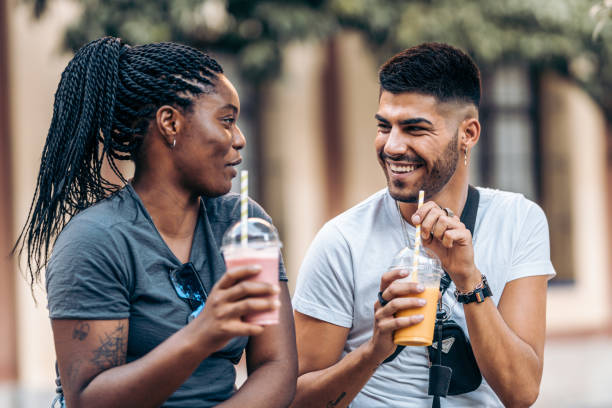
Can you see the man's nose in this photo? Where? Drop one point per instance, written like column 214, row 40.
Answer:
column 397, row 143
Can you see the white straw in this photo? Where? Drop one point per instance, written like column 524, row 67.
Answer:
column 417, row 241
column 244, row 206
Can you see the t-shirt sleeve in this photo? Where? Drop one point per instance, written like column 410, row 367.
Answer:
column 325, row 285
column 256, row 210
column 86, row 276
column 531, row 255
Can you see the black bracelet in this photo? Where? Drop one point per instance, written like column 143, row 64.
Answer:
column 478, row 295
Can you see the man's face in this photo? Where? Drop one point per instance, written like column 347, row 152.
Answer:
column 417, row 146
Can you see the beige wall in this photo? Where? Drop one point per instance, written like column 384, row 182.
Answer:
column 296, row 146
column 293, row 163
column 35, row 67
column 359, row 103
column 574, row 143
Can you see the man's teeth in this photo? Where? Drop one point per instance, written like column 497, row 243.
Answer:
column 397, row 168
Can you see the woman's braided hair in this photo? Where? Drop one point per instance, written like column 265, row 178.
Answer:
column 104, row 102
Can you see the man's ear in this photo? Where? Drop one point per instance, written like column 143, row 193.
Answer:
column 470, row 130
column 169, row 123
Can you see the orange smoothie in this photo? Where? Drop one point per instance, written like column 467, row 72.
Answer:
column 421, row 334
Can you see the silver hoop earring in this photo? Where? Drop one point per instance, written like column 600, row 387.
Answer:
column 465, row 157
column 173, row 143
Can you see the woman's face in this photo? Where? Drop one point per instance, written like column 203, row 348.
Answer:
column 207, row 150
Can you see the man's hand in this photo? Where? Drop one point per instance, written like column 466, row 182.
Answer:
column 399, row 295
column 451, row 241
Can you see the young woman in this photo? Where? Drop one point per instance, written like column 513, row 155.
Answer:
column 142, row 309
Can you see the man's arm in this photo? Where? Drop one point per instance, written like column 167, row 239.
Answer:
column 271, row 363
column 508, row 341
column 324, row 379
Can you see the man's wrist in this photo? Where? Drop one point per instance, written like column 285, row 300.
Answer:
column 478, row 294
column 468, row 283
column 372, row 354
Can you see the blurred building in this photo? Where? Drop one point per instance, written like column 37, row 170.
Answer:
column 543, row 136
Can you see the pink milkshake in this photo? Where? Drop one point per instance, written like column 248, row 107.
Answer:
column 261, row 248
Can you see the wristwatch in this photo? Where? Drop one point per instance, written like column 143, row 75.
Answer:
column 478, row 295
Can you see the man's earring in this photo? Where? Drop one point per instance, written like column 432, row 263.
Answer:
column 465, row 157
column 173, row 143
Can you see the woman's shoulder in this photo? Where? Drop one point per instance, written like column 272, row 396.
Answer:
column 101, row 219
column 226, row 208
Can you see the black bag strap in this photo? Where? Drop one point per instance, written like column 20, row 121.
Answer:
column 468, row 218
column 439, row 375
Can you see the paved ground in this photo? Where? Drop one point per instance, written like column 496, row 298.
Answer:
column 577, row 374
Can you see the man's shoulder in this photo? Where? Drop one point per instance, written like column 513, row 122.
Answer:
column 508, row 210
column 365, row 209
column 494, row 198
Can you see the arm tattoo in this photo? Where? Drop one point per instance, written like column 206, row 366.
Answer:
column 332, row 404
column 112, row 350
column 81, row 331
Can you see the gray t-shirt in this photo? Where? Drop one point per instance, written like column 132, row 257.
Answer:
column 110, row 262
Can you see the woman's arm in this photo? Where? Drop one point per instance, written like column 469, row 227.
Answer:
column 92, row 353
column 271, row 363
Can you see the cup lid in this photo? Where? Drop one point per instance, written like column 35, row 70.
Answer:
column 260, row 234
column 426, row 259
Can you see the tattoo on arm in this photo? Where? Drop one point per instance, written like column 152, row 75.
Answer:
column 112, row 350
column 81, row 331
column 332, row 404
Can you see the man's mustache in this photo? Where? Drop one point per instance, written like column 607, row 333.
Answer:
column 402, row 158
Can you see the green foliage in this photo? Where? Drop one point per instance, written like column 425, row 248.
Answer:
column 545, row 33
column 602, row 13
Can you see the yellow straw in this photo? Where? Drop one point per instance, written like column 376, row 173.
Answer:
column 244, row 200
column 417, row 242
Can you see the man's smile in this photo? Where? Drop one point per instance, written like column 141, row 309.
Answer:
column 402, row 168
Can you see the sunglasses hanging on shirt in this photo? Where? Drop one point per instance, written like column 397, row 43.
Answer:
column 189, row 287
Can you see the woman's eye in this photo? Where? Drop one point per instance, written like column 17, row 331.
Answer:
column 229, row 121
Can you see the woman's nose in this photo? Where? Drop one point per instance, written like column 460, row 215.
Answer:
column 239, row 140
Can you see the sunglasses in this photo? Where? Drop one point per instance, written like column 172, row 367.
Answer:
column 189, row 287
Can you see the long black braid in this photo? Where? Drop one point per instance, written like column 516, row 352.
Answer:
column 105, row 100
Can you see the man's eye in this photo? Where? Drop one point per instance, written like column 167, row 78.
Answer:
column 383, row 128
column 229, row 121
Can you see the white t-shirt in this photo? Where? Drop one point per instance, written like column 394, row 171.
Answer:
column 340, row 278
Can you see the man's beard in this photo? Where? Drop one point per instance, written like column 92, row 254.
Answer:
column 443, row 169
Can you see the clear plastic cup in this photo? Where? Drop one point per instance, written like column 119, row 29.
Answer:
column 428, row 273
column 263, row 249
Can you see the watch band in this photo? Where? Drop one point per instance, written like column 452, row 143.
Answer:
column 478, row 295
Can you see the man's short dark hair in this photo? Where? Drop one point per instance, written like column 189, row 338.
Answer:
column 435, row 69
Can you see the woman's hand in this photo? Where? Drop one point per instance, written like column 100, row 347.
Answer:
column 233, row 297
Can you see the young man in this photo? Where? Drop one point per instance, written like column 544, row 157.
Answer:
column 427, row 126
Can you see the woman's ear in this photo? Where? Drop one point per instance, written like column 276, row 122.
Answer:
column 169, row 123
